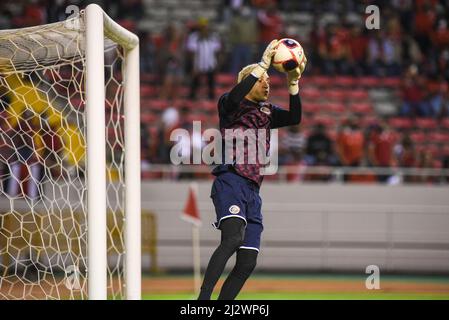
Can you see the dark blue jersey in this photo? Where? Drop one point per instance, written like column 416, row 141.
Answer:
column 236, row 112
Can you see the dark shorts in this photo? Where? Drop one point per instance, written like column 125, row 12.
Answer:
column 237, row 197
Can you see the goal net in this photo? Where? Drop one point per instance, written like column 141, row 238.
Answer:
column 69, row 193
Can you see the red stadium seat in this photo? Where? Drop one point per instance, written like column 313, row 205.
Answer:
column 277, row 81
column 424, row 123
column 418, row 137
column 321, row 81
column 335, row 95
column 369, row 82
column 333, row 107
column 158, row 105
column 391, row 82
column 344, row 81
column 224, row 79
column 310, row 94
column 438, row 137
column 400, row 123
column 312, row 107
column 357, row 95
column 148, row 91
column 207, row 105
column 147, row 77
column 445, row 151
column 328, row 121
column 367, row 121
column 148, row 118
column 364, row 108
column 444, row 124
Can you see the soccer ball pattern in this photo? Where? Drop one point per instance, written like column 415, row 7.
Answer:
column 289, row 55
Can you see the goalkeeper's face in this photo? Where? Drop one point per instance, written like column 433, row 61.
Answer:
column 261, row 89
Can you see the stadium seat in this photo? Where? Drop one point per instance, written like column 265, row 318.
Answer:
column 331, row 107
column 367, row 121
column 400, row 123
column 328, row 121
column 369, row 82
column 425, row 123
column 418, row 137
column 321, row 81
column 148, row 91
column 357, row 95
column 445, row 124
column 277, row 81
column 438, row 137
column 344, row 81
column 364, row 108
column 148, row 118
column 335, row 95
column 391, row 82
column 310, row 94
column 445, row 151
column 312, row 107
column 158, row 105
column 224, row 79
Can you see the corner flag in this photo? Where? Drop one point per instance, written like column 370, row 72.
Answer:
column 191, row 212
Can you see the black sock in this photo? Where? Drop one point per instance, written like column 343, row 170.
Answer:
column 244, row 266
column 232, row 232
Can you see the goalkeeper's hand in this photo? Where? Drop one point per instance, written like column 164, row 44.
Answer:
column 265, row 62
column 268, row 54
column 294, row 76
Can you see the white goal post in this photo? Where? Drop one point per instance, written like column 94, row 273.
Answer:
column 44, row 70
column 99, row 24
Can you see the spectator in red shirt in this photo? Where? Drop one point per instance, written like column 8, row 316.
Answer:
column 380, row 148
column 270, row 23
column 413, row 94
column 424, row 21
column 350, row 141
column 335, row 50
column 441, row 36
column 358, row 43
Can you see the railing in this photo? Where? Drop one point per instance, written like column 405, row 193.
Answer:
column 292, row 173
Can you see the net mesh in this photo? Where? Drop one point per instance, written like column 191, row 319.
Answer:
column 43, row 191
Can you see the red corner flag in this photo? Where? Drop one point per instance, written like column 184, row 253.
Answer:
column 191, row 212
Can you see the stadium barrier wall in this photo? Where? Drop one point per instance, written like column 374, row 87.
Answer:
column 318, row 227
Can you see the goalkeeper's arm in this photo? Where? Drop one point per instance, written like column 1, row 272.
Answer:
column 283, row 118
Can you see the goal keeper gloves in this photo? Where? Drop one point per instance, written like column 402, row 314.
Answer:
column 294, row 76
column 265, row 62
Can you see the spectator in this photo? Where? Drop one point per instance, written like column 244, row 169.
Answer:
column 334, row 50
column 384, row 54
column 270, row 25
column 319, row 148
column 350, row 142
column 292, row 145
column 242, row 29
column 26, row 172
column 358, row 44
column 406, row 156
column 380, row 148
column 203, row 46
column 413, row 94
column 424, row 21
column 170, row 59
column 147, row 52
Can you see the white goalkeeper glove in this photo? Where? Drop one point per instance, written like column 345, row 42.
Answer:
column 294, row 76
column 265, row 62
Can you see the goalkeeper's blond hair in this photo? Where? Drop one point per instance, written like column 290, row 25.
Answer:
column 246, row 71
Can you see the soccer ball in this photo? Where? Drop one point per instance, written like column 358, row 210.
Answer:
column 289, row 55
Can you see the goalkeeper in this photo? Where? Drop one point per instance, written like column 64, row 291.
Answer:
column 235, row 191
